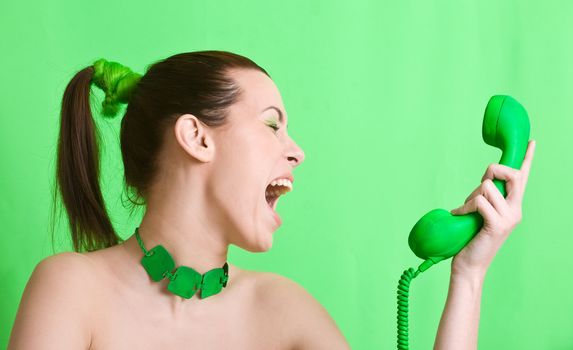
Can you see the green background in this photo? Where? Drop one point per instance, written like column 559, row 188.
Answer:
column 385, row 98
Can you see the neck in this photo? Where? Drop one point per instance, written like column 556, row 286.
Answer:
column 187, row 240
column 188, row 243
column 190, row 229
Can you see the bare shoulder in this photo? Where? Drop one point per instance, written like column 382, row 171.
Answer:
column 75, row 269
column 309, row 323
column 54, row 307
column 70, row 261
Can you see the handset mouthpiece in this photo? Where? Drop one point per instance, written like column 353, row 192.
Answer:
column 439, row 234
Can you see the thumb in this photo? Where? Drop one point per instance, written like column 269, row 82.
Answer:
column 455, row 211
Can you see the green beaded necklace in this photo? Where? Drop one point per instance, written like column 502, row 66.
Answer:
column 185, row 281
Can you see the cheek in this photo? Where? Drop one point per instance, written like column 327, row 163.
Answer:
column 241, row 175
column 245, row 163
column 253, row 153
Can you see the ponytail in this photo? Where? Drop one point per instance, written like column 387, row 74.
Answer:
column 77, row 166
column 191, row 82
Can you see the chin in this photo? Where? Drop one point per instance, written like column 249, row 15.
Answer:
column 264, row 246
column 260, row 246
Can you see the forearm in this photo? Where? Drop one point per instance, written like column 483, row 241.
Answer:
column 459, row 324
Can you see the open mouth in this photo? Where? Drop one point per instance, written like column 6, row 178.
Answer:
column 275, row 189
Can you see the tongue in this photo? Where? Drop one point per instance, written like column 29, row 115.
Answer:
column 273, row 198
column 271, row 201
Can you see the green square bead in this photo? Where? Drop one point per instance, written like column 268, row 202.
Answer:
column 212, row 282
column 158, row 262
column 225, row 276
column 185, row 282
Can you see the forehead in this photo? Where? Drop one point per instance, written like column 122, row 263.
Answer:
column 258, row 91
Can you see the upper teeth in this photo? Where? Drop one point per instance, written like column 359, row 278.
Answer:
column 282, row 182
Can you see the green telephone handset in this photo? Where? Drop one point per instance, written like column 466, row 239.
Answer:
column 439, row 235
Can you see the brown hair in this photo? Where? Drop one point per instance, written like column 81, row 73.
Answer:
column 193, row 82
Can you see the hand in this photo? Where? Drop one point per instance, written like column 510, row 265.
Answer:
column 500, row 214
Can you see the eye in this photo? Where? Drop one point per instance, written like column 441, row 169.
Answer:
column 274, row 126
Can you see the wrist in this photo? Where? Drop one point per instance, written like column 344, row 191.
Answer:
column 471, row 277
column 461, row 270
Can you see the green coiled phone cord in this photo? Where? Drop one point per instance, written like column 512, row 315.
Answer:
column 403, row 292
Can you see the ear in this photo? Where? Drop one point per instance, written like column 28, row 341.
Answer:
column 192, row 136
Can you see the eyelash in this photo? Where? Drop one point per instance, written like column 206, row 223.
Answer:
column 274, row 126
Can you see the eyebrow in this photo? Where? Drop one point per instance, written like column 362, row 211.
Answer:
column 281, row 117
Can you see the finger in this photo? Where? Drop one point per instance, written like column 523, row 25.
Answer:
column 475, row 192
column 515, row 180
column 478, row 190
column 526, row 165
column 500, row 172
column 495, row 197
column 511, row 176
column 480, row 204
column 490, row 191
column 516, row 196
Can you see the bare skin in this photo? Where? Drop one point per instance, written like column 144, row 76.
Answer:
column 458, row 329
column 209, row 193
column 135, row 312
column 104, row 300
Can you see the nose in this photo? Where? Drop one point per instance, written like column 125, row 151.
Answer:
column 295, row 154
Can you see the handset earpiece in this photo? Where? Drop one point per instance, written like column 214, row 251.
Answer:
column 506, row 126
column 439, row 235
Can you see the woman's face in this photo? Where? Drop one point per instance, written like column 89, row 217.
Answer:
column 249, row 154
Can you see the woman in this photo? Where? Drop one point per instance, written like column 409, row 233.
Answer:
column 204, row 140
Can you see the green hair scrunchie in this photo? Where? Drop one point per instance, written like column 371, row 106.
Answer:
column 117, row 81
